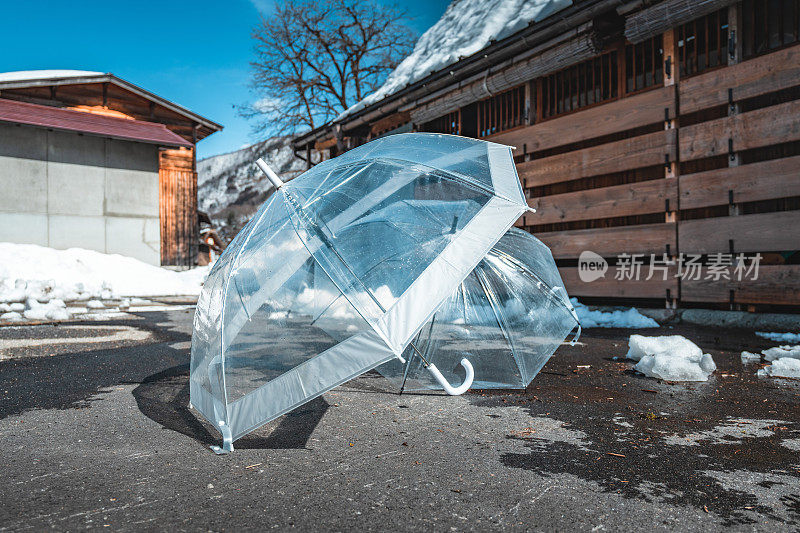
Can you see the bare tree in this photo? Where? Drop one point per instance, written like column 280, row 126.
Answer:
column 316, row 59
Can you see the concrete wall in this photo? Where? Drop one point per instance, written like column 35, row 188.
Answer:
column 67, row 190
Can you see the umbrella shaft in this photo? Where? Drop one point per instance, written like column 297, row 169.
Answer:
column 424, row 361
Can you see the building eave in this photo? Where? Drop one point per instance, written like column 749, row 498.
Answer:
column 536, row 33
column 111, row 78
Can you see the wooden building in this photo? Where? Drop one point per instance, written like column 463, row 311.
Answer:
column 642, row 127
column 90, row 160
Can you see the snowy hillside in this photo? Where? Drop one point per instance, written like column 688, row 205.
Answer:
column 232, row 184
column 466, row 27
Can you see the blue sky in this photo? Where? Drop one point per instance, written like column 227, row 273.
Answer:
column 194, row 53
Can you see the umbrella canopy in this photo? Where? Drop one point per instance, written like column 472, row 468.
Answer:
column 507, row 318
column 341, row 268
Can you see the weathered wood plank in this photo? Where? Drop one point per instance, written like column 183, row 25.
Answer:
column 628, row 154
column 768, row 232
column 617, row 201
column 767, row 180
column 610, row 242
column 762, row 75
column 604, row 119
column 775, row 285
column 180, row 159
column 763, row 127
column 610, row 287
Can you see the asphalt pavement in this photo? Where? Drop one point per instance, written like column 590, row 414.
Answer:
column 96, row 434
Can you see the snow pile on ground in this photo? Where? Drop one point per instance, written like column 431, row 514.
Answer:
column 780, row 337
column 785, row 359
column 785, row 367
column 32, row 275
column 466, row 27
column 750, row 357
column 785, row 362
column 628, row 318
column 780, row 352
column 671, row 358
column 233, row 179
column 54, row 309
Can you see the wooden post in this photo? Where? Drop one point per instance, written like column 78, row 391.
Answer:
column 671, row 68
column 735, row 46
column 734, row 35
column 528, row 119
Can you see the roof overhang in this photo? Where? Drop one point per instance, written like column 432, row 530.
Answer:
column 13, row 112
column 52, row 81
column 449, row 77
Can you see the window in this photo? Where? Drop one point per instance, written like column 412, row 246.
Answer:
column 501, row 112
column 769, row 24
column 449, row 123
column 644, row 64
column 584, row 84
column 703, row 43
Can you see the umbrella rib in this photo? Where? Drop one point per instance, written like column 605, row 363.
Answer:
column 500, row 317
column 550, row 290
column 413, row 347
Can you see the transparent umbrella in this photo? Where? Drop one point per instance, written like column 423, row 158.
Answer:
column 342, row 268
column 507, row 318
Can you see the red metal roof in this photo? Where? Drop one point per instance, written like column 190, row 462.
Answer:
column 67, row 119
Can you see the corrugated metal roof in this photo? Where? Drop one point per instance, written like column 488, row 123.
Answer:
column 79, row 121
column 51, row 78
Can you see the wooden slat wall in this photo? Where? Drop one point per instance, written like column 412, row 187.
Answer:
column 612, row 160
column 754, row 183
column 636, row 152
column 767, row 232
column 641, row 239
column 763, row 75
column 610, row 287
column 766, row 180
column 776, row 285
column 756, row 129
column 178, row 208
column 592, row 174
column 619, row 200
column 621, row 115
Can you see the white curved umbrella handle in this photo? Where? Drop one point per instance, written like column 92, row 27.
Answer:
column 449, row 389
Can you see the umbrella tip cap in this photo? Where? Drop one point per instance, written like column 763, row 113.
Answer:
column 271, row 176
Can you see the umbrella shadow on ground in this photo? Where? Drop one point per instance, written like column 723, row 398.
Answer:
column 164, row 398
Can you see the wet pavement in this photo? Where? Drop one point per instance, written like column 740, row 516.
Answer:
column 96, row 434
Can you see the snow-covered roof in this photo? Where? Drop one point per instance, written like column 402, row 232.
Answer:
column 466, row 27
column 27, row 75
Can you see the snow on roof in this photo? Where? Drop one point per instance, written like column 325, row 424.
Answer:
column 26, row 75
column 466, row 27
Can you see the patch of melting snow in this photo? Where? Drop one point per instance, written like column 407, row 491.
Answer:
column 750, row 357
column 54, row 309
column 670, row 357
column 780, row 337
column 780, row 352
column 620, row 318
column 792, row 444
column 785, row 367
column 730, row 432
